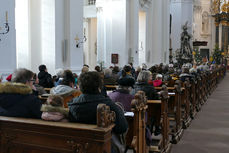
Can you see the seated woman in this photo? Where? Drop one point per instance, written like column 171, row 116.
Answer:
column 66, row 88
column 185, row 74
column 83, row 109
column 16, row 98
column 108, row 78
column 158, row 82
column 122, row 94
column 125, row 72
column 142, row 85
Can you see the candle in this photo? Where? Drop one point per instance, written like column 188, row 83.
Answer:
column 6, row 16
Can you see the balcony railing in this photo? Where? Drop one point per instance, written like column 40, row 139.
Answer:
column 91, row 2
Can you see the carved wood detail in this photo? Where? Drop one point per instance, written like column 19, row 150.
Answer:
column 105, row 117
column 77, row 147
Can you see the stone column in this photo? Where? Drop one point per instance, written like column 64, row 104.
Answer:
column 69, row 24
column 132, row 31
column 112, row 31
column 157, row 34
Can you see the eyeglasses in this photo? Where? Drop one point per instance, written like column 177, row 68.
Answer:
column 32, row 80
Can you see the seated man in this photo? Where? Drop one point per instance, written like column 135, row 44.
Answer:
column 45, row 79
column 83, row 108
column 16, row 98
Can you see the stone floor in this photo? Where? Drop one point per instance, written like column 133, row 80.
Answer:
column 209, row 131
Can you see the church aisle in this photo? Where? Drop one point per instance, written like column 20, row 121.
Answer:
column 209, row 131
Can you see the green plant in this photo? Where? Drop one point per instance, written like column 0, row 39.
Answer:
column 197, row 56
column 217, row 54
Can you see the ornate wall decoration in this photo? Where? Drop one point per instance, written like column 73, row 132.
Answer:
column 205, row 22
column 215, row 6
column 145, row 3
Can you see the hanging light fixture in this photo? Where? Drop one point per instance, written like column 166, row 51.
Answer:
column 6, row 27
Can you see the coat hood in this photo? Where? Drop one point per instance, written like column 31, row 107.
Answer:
column 62, row 90
column 50, row 108
column 15, row 88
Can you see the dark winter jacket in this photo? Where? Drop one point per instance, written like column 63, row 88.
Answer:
column 83, row 110
column 148, row 89
column 45, row 79
column 17, row 100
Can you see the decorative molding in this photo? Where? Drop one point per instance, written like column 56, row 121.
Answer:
column 145, row 3
column 99, row 9
column 182, row 1
column 139, row 102
column 197, row 8
column 76, row 147
column 105, row 117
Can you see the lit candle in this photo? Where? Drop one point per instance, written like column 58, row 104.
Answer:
column 6, row 16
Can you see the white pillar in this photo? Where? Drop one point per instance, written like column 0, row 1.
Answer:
column 61, row 42
column 157, row 37
column 165, row 31
column 76, row 28
column 112, row 31
column 8, row 41
column 69, row 24
column 132, row 31
column 100, row 35
column 220, row 35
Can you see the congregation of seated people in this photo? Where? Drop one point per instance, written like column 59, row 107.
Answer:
column 75, row 99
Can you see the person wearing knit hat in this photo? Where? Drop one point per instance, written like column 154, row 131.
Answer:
column 122, row 94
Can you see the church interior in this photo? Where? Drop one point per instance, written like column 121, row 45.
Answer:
column 136, row 76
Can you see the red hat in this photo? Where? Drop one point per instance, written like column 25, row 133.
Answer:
column 9, row 78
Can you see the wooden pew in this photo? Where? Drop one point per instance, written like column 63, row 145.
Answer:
column 47, row 90
column 174, row 111
column 185, row 103
column 111, row 87
column 177, row 130
column 135, row 137
column 21, row 135
column 192, row 96
column 164, row 144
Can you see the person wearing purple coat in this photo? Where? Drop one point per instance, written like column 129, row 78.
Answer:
column 122, row 94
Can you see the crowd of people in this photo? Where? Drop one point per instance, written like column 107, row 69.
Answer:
column 75, row 98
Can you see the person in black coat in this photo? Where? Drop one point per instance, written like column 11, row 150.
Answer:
column 83, row 109
column 45, row 79
column 17, row 98
column 142, row 85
